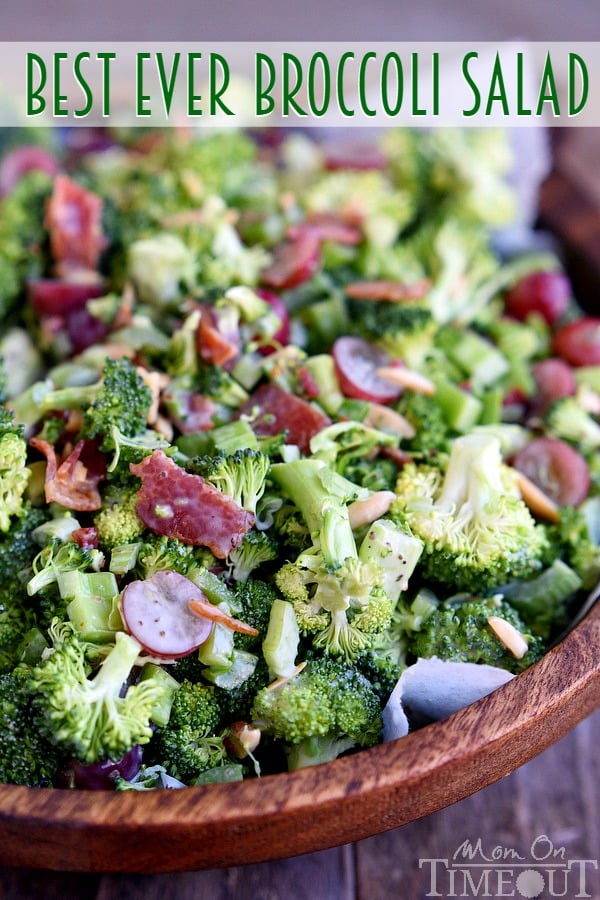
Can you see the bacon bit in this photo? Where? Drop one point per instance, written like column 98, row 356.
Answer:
column 276, row 410
column 86, row 538
column 509, row 636
column 73, row 484
column 326, row 227
column 180, row 505
column 390, row 291
column 74, row 220
column 407, row 378
column 207, row 610
column 380, row 416
column 364, row 512
column 538, row 502
column 214, row 348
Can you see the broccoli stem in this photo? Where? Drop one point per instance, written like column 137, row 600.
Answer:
column 117, row 666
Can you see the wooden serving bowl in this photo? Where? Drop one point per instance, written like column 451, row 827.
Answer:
column 345, row 800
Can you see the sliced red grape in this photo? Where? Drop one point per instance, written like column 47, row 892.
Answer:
column 556, row 468
column 326, row 227
column 554, row 379
column 54, row 297
column 99, row 776
column 545, row 293
column 578, row 342
column 157, row 613
column 293, row 263
column 21, row 161
column 356, row 362
column 84, row 330
column 354, row 155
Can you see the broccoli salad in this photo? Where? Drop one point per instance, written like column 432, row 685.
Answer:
column 278, row 421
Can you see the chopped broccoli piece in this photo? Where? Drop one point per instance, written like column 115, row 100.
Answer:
column 14, row 473
column 189, row 743
column 477, row 531
column 27, row 758
column 543, row 601
column 256, row 549
column 88, row 718
column 241, row 475
column 338, row 597
column 568, row 420
column 458, row 629
column 118, row 522
column 329, row 708
column 120, row 399
column 427, row 418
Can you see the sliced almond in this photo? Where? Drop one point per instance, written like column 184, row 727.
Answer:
column 279, row 682
column 407, row 378
column 380, row 416
column 390, row 291
column 364, row 512
column 508, row 635
column 538, row 502
column 242, row 739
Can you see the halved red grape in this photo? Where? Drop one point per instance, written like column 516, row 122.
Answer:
column 99, row 776
column 21, row 161
column 578, row 342
column 554, row 379
column 157, row 613
column 556, row 468
column 293, row 263
column 356, row 362
column 545, row 293
column 54, row 297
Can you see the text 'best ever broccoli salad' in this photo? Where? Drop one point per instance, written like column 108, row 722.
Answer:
column 277, row 422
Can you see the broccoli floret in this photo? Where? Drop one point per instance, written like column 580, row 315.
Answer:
column 118, row 522
column 329, row 708
column 160, row 553
column 18, row 547
column 567, row 419
column 477, row 531
column 119, row 399
column 381, row 671
column 88, row 718
column 241, row 475
column 406, row 329
column 22, row 236
column 575, row 538
column 427, row 418
column 161, row 267
column 189, row 744
column 256, row 549
column 338, row 597
column 378, row 474
column 252, row 604
column 458, row 629
column 27, row 758
column 14, row 473
column 58, row 557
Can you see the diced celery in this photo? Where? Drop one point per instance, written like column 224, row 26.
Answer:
column 217, row 650
column 124, row 557
column 234, row 436
column 161, row 711
column 322, row 369
column 460, row 408
column 240, row 670
column 280, row 645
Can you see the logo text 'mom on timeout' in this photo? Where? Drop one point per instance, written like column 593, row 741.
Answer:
column 504, row 872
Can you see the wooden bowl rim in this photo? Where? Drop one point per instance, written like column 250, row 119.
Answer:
column 328, row 804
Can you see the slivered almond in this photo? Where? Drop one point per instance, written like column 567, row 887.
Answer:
column 508, row 635
column 540, row 504
column 363, row 512
column 380, row 416
column 279, row 682
column 207, row 610
column 242, row 739
column 407, row 378
column 390, row 291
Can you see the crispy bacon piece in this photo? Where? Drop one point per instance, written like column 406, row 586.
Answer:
column 74, row 220
column 180, row 505
column 73, row 483
column 86, row 537
column 278, row 410
column 326, row 227
column 214, row 347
